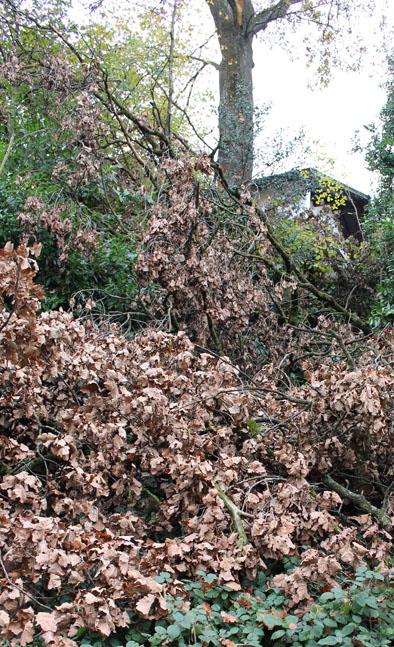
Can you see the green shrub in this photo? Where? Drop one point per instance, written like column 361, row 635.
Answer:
column 380, row 222
column 357, row 612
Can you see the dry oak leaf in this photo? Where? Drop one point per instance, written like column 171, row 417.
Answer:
column 46, row 621
column 144, row 605
column 91, row 599
column 227, row 617
column 234, row 586
column 4, row 619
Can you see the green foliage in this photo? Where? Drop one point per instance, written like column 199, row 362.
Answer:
column 381, row 239
column 40, row 158
column 331, row 192
column 310, row 248
column 380, row 223
column 361, row 610
column 313, row 238
column 103, row 268
column 356, row 612
column 62, row 145
column 342, row 267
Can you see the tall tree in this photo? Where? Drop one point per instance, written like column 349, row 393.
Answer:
column 237, row 23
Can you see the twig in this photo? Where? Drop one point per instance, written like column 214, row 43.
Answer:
column 360, row 501
column 333, row 335
column 235, row 513
column 15, row 586
column 8, row 152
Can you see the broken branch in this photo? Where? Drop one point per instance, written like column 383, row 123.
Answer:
column 360, row 501
column 235, row 513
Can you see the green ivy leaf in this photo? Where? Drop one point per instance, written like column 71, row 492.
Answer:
column 279, row 633
column 173, row 631
column 269, row 620
column 330, row 640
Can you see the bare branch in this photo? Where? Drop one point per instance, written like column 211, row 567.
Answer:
column 360, row 501
column 10, row 144
column 235, row 513
column 18, row 588
column 205, row 62
column 262, row 19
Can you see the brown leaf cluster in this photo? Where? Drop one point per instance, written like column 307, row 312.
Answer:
column 206, row 288
column 36, row 216
column 124, row 458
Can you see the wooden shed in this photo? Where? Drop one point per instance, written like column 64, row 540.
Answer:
column 309, row 189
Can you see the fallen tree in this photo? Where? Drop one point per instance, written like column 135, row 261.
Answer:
column 122, row 459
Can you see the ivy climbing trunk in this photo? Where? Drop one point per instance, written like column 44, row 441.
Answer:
column 236, row 109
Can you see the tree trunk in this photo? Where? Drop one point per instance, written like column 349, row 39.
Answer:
column 236, row 107
column 236, row 24
column 236, row 88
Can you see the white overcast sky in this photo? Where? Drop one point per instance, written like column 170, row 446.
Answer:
column 329, row 116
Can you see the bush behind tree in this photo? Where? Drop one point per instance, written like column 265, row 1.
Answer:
column 380, row 223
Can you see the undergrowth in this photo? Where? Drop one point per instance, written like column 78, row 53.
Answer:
column 358, row 612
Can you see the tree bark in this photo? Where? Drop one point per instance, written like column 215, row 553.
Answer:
column 236, row 108
column 236, row 24
column 236, row 93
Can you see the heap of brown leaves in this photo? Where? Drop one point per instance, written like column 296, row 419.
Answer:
column 207, row 288
column 121, row 459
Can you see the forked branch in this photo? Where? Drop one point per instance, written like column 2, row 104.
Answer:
column 235, row 513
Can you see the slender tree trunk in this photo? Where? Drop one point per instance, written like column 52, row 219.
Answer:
column 171, row 70
column 236, row 106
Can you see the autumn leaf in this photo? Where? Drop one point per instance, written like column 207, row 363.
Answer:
column 4, row 618
column 144, row 605
column 46, row 621
column 227, row 617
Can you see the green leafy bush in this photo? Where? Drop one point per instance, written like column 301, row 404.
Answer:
column 381, row 240
column 342, row 267
column 358, row 612
column 56, row 167
column 380, row 222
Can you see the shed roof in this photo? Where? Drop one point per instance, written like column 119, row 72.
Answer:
column 308, row 178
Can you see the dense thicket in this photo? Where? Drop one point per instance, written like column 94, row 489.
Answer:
column 123, row 459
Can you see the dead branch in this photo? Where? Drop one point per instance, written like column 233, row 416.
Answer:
column 360, row 501
column 235, row 513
